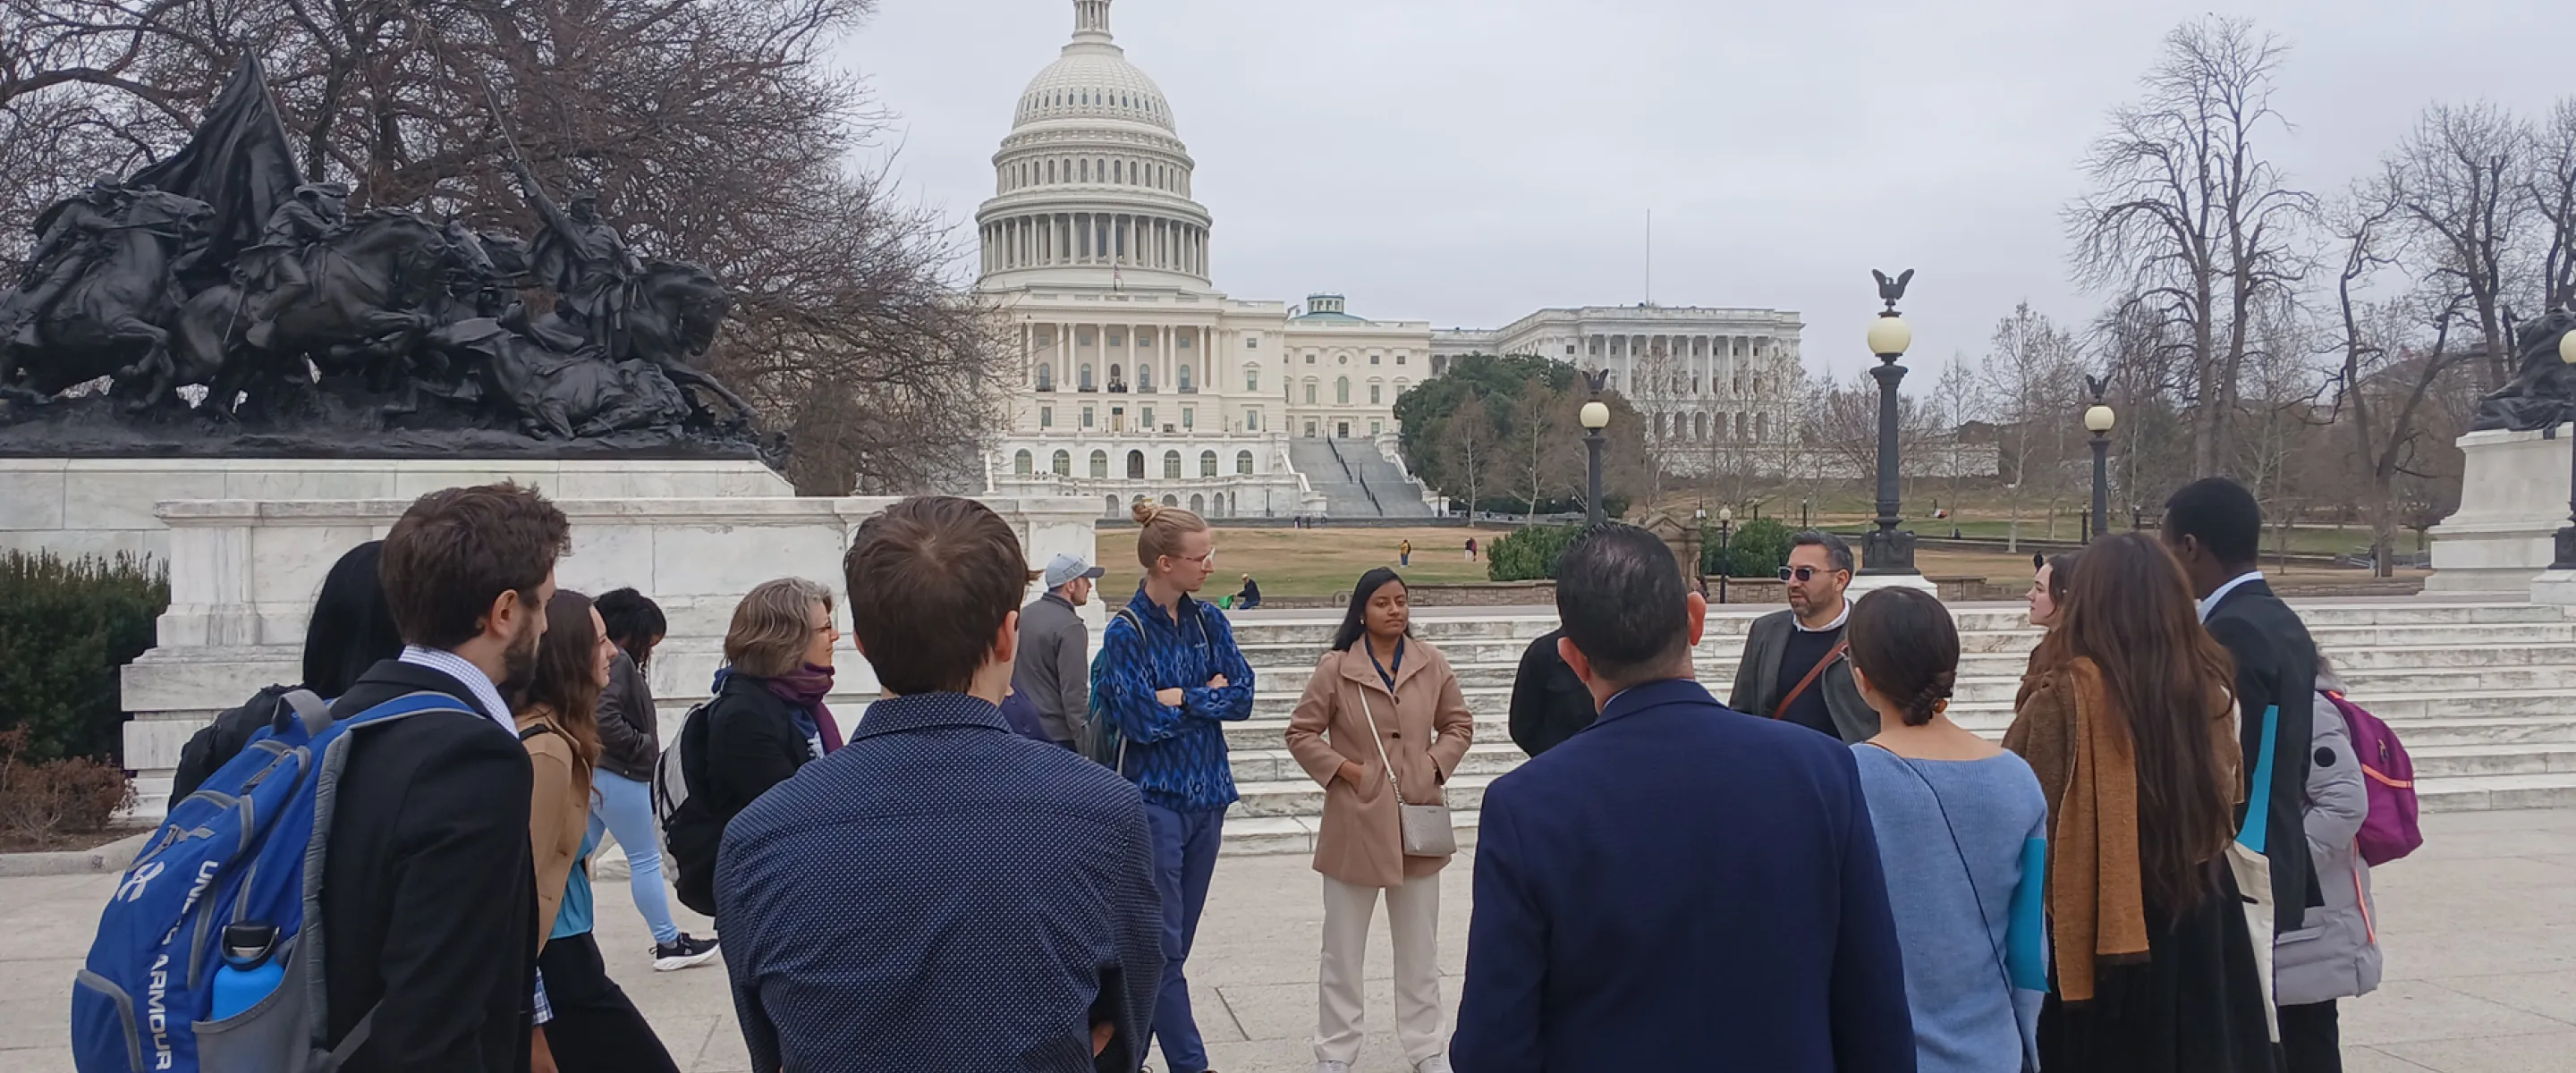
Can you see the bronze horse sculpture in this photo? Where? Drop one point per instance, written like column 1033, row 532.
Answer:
column 108, row 322
column 365, row 313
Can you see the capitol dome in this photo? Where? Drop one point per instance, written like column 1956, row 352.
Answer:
column 1092, row 185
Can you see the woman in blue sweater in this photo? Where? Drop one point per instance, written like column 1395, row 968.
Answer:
column 1167, row 679
column 1961, row 835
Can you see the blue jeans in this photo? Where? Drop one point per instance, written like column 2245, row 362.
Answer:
column 1185, row 845
column 625, row 807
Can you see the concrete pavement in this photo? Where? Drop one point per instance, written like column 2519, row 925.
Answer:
column 2481, row 957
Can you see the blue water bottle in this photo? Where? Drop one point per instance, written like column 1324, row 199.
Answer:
column 250, row 970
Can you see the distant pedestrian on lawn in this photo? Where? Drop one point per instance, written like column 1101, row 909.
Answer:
column 1250, row 597
column 1471, row 549
column 1962, row 832
column 1169, row 678
column 630, row 743
column 585, row 1021
column 1054, row 663
column 1679, row 884
column 1404, row 553
column 941, row 893
column 1383, row 724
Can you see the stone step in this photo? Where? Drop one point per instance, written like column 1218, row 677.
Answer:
column 2339, row 642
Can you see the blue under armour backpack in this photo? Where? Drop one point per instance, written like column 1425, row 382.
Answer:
column 247, row 849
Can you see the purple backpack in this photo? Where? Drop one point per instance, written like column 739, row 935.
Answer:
column 2389, row 831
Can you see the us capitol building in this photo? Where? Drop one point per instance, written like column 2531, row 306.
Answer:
column 1139, row 379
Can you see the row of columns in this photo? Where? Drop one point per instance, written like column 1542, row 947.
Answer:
column 1059, row 239
column 1063, row 358
column 1705, row 364
column 1713, row 426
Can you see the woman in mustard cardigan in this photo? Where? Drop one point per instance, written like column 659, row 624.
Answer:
column 1379, row 699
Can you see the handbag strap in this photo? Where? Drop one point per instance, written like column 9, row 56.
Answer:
column 1818, row 671
column 1381, row 744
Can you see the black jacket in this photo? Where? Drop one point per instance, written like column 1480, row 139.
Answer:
column 218, row 742
column 745, row 742
column 1549, row 704
column 2276, row 666
column 629, row 735
column 428, row 897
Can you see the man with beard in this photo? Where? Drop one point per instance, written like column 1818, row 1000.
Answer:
column 428, row 898
column 1795, row 668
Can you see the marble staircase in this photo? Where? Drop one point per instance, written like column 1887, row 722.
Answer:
column 2483, row 694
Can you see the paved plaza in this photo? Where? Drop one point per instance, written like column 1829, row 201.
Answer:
column 2481, row 961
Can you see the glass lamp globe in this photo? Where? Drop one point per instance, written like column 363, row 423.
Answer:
column 1596, row 415
column 2098, row 419
column 1889, row 336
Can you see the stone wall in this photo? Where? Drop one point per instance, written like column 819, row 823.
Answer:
column 243, row 575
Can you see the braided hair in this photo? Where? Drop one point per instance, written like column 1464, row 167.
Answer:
column 1904, row 642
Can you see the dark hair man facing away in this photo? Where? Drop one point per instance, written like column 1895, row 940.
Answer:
column 428, row 896
column 941, row 893
column 2215, row 528
column 1678, row 885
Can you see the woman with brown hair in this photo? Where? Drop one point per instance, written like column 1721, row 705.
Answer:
column 2129, row 723
column 585, row 1021
column 1382, row 725
column 767, row 719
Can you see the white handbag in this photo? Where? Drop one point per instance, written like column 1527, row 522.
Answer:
column 1426, row 828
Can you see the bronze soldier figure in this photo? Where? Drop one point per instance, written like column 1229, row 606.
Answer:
column 587, row 263
column 68, row 244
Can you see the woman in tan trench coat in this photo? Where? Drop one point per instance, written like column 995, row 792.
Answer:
column 1376, row 672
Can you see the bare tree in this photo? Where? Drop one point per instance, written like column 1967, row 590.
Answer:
column 2453, row 181
column 1532, row 442
column 1470, row 442
column 2029, row 381
column 2550, row 189
column 2380, row 389
column 2187, row 216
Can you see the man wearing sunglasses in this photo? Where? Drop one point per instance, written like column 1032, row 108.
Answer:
column 1794, row 666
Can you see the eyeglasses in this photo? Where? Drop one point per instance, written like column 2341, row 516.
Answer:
column 1207, row 561
column 1801, row 573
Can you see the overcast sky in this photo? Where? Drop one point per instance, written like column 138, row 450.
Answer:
column 1467, row 162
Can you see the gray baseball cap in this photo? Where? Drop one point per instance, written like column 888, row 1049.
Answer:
column 1065, row 568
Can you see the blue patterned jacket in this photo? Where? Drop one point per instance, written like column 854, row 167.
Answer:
column 1175, row 754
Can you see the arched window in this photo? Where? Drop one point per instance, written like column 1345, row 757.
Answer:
column 1243, row 462
column 1022, row 464
column 1046, row 376
column 1342, row 390
column 1198, row 503
column 1310, row 393
column 1207, row 463
column 1118, row 171
column 1100, row 469
column 1699, row 427
column 1172, row 465
column 1117, row 378
column 1085, row 376
column 1171, row 501
column 1144, row 378
column 1659, row 426
column 1050, row 171
column 1063, row 464
column 1184, row 374
column 1374, row 391
column 1109, row 507
column 1252, row 378
column 1086, row 171
column 1135, row 465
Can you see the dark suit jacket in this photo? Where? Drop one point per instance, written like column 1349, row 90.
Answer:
column 1682, row 887
column 1549, row 703
column 428, row 896
column 1758, row 685
column 2276, row 665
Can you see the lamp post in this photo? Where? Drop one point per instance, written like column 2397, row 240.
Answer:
column 2097, row 420
column 1725, row 533
column 1596, row 416
column 2567, row 534
column 1886, row 551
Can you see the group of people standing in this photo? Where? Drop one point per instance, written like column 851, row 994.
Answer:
column 1827, row 872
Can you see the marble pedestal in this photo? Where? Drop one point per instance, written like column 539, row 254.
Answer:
column 243, row 574
column 1863, row 584
column 104, row 506
column 2513, row 501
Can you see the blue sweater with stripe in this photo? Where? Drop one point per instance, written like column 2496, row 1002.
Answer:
column 1175, row 753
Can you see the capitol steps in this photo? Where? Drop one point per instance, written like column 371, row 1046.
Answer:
column 2483, row 694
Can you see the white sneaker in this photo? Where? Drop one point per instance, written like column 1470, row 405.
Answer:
column 1438, row 1063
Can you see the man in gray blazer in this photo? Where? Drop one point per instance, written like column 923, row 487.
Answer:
column 1804, row 644
column 1054, row 662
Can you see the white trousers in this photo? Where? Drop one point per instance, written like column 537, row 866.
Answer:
column 1413, row 915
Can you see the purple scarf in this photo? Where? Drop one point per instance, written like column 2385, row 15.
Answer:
column 805, row 689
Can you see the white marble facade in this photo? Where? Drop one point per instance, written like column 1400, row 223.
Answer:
column 1707, row 377
column 2513, row 501
column 243, row 575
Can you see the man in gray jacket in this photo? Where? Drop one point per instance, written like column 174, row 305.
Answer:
column 1054, row 664
column 1795, row 668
